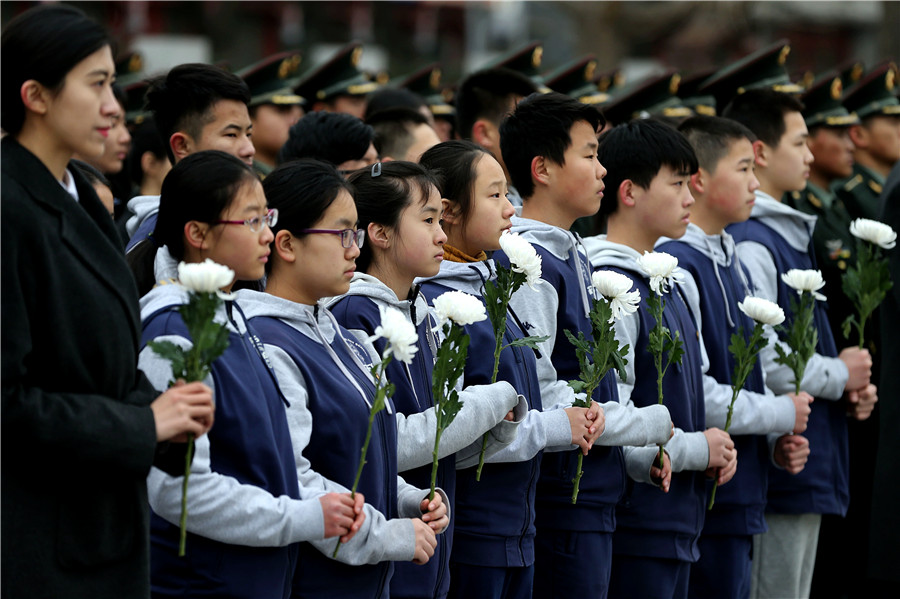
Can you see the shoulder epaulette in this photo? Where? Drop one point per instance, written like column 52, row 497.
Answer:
column 849, row 185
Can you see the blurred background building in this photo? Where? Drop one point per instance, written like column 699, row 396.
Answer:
column 640, row 38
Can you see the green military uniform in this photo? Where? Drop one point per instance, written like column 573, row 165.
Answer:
column 861, row 191
column 835, row 246
column 873, row 96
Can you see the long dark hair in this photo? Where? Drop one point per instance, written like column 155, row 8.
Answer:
column 383, row 191
column 200, row 187
column 302, row 190
column 454, row 163
column 43, row 43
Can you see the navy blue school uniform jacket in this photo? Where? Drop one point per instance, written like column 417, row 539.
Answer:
column 483, row 410
column 562, row 303
column 245, row 517
column 325, row 373
column 717, row 282
column 774, row 240
column 651, row 523
column 495, row 516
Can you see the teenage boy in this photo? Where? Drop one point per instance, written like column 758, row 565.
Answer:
column 723, row 189
column 402, row 134
column 483, row 101
column 656, row 535
column 774, row 240
column 196, row 107
column 335, row 137
column 550, row 146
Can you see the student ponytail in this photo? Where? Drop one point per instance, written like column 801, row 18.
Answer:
column 200, row 187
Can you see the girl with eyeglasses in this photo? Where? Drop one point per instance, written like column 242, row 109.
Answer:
column 81, row 425
column 246, row 513
column 399, row 207
column 493, row 552
column 325, row 375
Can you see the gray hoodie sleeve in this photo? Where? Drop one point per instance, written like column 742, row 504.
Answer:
column 484, row 407
column 686, row 450
column 824, row 377
column 754, row 413
column 220, row 507
column 379, row 539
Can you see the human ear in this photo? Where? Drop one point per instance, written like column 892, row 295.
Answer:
column 483, row 133
column 34, row 96
column 539, row 171
column 180, row 144
column 195, row 233
column 378, row 235
column 698, row 180
column 284, row 246
column 627, row 192
column 450, row 212
column 761, row 153
column 859, row 135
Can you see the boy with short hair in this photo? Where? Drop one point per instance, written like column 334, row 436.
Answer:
column 774, row 240
column 196, row 107
column 482, row 102
column 550, row 146
column 655, row 542
column 335, row 137
column 402, row 134
column 723, row 189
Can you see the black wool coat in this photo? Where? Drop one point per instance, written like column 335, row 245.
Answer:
column 78, row 435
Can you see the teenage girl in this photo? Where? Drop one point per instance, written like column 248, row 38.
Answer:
column 399, row 207
column 81, row 425
column 493, row 552
column 325, row 374
column 245, row 514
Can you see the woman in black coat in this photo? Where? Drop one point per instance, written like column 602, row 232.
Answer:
column 80, row 424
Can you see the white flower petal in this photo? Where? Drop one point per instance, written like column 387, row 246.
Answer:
column 762, row 310
column 875, row 232
column 460, row 307
column 399, row 333
column 615, row 287
column 660, row 267
column 204, row 277
column 805, row 280
column 522, row 257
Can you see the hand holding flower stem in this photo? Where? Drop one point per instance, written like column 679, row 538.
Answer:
column 525, row 268
column 763, row 312
column 209, row 341
column 660, row 268
column 602, row 352
column 401, row 338
column 867, row 282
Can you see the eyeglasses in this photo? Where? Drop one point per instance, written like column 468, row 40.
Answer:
column 256, row 223
column 348, row 236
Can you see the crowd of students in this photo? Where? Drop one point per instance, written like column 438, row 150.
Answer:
column 94, row 430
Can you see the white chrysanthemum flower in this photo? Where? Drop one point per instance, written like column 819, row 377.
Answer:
column 204, row 277
column 399, row 333
column 875, row 232
column 661, row 268
column 805, row 280
column 522, row 257
column 762, row 310
column 615, row 287
column 460, row 307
